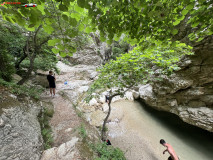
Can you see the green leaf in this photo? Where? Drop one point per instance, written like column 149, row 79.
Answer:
column 176, row 22
column 73, row 22
column 62, row 7
column 77, row 16
column 81, row 3
column 48, row 21
column 66, row 2
column 116, row 38
column 102, row 38
column 88, row 30
column 31, row 25
column 53, row 42
column 33, row 19
column 65, row 17
column 41, row 8
column 61, row 47
column 78, row 9
column 55, row 50
column 200, row 39
column 109, row 41
column 185, row 11
column 174, row 32
column 29, row 29
column 81, row 27
column 195, row 24
column 63, row 54
column 48, row 29
column 190, row 6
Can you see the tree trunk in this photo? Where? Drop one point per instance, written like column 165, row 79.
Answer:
column 108, row 114
column 105, row 120
column 30, row 69
column 103, row 136
column 17, row 66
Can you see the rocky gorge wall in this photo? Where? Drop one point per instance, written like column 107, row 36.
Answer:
column 20, row 133
column 187, row 93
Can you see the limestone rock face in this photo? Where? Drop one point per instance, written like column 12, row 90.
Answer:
column 188, row 92
column 202, row 116
column 65, row 151
column 20, row 134
column 136, row 95
column 88, row 56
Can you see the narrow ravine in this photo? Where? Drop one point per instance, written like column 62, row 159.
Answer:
column 132, row 127
column 67, row 119
column 137, row 130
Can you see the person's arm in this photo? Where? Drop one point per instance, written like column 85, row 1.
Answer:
column 165, row 151
column 54, row 77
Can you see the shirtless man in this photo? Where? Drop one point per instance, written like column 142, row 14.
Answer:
column 171, row 151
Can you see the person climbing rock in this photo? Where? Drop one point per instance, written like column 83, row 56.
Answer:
column 51, row 79
column 170, row 150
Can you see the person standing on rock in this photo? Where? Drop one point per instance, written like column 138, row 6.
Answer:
column 51, row 79
column 170, row 150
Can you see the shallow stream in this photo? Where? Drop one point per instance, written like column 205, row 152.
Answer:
column 189, row 142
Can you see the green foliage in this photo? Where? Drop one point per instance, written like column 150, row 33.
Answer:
column 10, row 45
column 157, row 19
column 137, row 67
column 6, row 66
column 48, row 138
column 82, row 131
column 12, row 40
column 32, row 91
column 46, row 130
column 49, row 112
column 119, row 48
column 107, row 152
column 43, row 62
column 61, row 21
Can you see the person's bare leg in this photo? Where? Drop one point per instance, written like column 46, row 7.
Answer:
column 54, row 91
column 51, row 91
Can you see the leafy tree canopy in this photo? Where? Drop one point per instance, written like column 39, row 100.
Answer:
column 62, row 20
column 136, row 67
column 156, row 19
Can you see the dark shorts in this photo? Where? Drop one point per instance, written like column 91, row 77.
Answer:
column 170, row 158
column 52, row 85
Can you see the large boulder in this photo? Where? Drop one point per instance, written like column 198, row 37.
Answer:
column 65, row 151
column 86, row 57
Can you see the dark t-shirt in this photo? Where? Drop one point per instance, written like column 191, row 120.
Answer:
column 51, row 81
